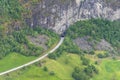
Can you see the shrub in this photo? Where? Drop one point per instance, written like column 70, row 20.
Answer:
column 52, row 73
column 79, row 74
column 90, row 70
column 85, row 61
column 45, row 68
column 52, row 56
column 103, row 55
column 92, row 52
column 100, row 56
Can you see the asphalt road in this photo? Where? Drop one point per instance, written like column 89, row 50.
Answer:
column 36, row 60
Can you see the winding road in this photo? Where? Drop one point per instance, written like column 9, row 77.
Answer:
column 36, row 60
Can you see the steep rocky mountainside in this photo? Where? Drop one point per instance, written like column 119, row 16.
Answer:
column 59, row 14
column 54, row 14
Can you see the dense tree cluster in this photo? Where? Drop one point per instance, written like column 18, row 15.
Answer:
column 10, row 9
column 90, row 70
column 97, row 29
column 79, row 74
column 17, row 42
column 85, row 61
column 103, row 55
column 84, row 74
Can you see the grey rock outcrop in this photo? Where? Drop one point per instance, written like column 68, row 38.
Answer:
column 85, row 44
column 59, row 14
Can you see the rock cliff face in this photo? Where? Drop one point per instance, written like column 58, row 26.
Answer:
column 59, row 14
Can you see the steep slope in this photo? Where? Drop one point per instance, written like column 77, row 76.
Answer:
column 55, row 14
column 59, row 14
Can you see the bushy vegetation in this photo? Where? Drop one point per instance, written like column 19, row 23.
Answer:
column 17, row 42
column 10, row 9
column 103, row 55
column 85, row 61
column 79, row 74
column 96, row 29
column 53, row 37
column 84, row 74
column 67, row 46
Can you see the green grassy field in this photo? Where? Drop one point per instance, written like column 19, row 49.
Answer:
column 13, row 60
column 62, row 67
column 108, row 70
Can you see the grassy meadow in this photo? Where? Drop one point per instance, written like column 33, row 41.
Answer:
column 13, row 60
column 108, row 70
column 61, row 67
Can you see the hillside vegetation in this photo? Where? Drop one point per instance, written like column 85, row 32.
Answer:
column 70, row 62
column 18, row 42
column 10, row 9
column 97, row 29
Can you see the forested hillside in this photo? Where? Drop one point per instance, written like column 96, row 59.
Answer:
column 97, row 29
column 91, row 46
column 94, row 30
column 72, row 62
column 14, row 32
column 19, row 42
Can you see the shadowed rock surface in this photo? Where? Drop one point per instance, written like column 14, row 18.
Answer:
column 59, row 14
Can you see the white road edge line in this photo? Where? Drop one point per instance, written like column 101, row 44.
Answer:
column 36, row 60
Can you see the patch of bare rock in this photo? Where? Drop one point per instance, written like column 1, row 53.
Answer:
column 39, row 40
column 86, row 43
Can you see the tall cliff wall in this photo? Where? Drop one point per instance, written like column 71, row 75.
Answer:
column 59, row 14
